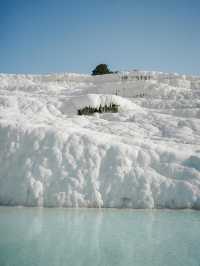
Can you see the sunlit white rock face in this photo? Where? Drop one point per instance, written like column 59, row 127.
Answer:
column 145, row 156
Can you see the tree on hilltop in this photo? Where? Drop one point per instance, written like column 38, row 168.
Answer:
column 101, row 70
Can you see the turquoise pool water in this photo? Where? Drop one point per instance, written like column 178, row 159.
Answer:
column 89, row 237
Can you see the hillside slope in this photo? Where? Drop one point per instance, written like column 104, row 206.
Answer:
column 145, row 156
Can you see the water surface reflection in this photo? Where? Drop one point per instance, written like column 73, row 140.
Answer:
column 34, row 236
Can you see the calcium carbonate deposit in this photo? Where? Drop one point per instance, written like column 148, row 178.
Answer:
column 145, row 156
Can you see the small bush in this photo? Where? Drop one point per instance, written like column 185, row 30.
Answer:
column 88, row 110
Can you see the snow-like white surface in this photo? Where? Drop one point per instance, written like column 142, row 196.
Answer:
column 145, row 156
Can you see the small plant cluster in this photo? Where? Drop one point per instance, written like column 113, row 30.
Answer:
column 88, row 110
column 125, row 77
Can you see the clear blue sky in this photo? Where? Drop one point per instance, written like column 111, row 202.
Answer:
column 45, row 36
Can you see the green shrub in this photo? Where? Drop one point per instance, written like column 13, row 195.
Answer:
column 101, row 70
column 88, row 110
